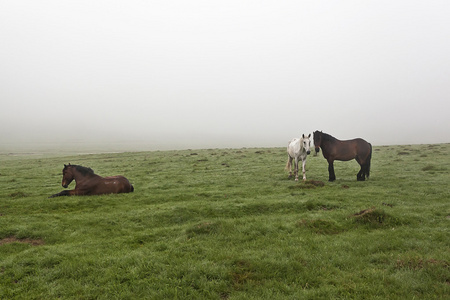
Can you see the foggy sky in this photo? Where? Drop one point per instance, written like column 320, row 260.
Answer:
column 205, row 74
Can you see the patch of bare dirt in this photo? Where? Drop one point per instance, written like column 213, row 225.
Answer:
column 419, row 263
column 13, row 239
column 364, row 212
column 315, row 182
column 308, row 184
column 403, row 153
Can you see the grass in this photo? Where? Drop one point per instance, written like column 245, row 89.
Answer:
column 228, row 224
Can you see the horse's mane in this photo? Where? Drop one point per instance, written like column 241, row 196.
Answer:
column 83, row 170
column 327, row 137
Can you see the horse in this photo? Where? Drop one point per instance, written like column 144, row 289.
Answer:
column 334, row 149
column 88, row 183
column 298, row 148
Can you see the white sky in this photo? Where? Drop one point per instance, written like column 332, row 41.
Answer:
column 193, row 74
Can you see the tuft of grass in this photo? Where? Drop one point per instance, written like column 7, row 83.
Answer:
column 242, row 273
column 418, row 263
column 205, row 228
column 308, row 184
column 375, row 218
column 317, row 205
column 321, row 226
column 429, row 168
column 18, row 195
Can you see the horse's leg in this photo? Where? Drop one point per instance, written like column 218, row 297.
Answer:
column 64, row 193
column 332, row 176
column 362, row 173
column 296, row 169
column 303, row 168
column 360, row 176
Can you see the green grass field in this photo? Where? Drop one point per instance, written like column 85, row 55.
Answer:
column 228, row 224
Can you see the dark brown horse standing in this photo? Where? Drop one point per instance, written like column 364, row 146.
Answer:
column 88, row 183
column 334, row 149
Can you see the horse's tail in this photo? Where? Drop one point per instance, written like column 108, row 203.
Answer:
column 368, row 161
column 288, row 165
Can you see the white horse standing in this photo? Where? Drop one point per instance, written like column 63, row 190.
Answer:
column 298, row 148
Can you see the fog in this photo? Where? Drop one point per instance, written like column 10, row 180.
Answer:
column 155, row 75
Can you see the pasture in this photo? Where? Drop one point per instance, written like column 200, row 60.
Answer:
column 228, row 224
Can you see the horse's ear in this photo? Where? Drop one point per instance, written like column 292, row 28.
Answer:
column 65, row 165
column 303, row 135
column 309, row 135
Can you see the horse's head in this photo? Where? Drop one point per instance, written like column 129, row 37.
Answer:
column 317, row 137
column 67, row 175
column 306, row 143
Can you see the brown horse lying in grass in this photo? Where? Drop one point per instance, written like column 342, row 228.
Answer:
column 88, row 183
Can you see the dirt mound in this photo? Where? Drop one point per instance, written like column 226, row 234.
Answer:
column 375, row 218
column 308, row 184
column 13, row 239
column 315, row 182
column 365, row 212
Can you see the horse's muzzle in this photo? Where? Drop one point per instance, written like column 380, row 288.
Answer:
column 65, row 186
column 308, row 152
column 317, row 150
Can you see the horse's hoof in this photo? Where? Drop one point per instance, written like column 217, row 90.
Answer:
column 296, row 179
